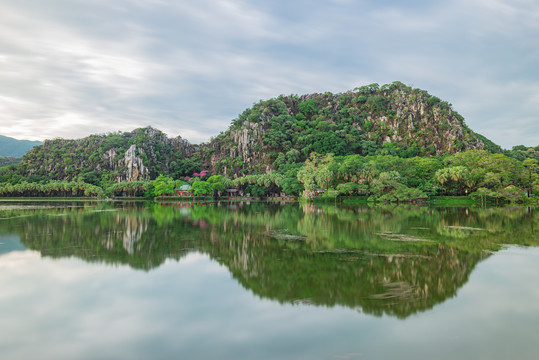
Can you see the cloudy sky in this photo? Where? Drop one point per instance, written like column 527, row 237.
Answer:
column 71, row 68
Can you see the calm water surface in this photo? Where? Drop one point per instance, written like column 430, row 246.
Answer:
column 83, row 280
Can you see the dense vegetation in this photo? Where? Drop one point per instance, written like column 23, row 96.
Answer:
column 392, row 119
column 102, row 160
column 483, row 175
column 386, row 143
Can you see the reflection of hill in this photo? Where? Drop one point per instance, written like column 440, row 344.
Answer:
column 395, row 261
column 362, row 277
column 128, row 235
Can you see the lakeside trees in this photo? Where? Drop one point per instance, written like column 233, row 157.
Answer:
column 50, row 189
column 378, row 177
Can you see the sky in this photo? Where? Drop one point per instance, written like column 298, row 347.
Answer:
column 71, row 68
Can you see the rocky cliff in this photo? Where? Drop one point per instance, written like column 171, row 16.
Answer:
column 130, row 156
column 389, row 119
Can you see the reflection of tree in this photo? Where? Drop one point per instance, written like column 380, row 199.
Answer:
column 380, row 260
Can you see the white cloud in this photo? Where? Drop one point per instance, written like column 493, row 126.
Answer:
column 193, row 66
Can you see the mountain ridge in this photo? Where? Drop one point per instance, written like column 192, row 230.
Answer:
column 15, row 148
column 391, row 119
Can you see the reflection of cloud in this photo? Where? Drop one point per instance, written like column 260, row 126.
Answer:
column 9, row 243
column 109, row 312
column 491, row 316
column 71, row 309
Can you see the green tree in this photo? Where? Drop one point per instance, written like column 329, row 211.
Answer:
column 163, row 185
column 218, row 184
column 315, row 174
column 308, row 107
column 531, row 168
column 456, row 178
column 202, row 187
column 256, row 190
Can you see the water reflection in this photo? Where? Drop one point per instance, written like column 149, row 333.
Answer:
column 395, row 260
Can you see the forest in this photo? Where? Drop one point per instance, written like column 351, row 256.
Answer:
column 389, row 178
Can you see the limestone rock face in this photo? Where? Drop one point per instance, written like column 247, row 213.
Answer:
column 109, row 156
column 134, row 165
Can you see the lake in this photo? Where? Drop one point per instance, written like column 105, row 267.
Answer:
column 136, row 280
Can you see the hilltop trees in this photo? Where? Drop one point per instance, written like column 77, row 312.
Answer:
column 531, row 167
column 101, row 160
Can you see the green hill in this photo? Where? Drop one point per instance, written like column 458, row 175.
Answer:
column 392, row 119
column 141, row 154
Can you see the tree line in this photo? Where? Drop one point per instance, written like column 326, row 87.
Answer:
column 480, row 174
column 477, row 173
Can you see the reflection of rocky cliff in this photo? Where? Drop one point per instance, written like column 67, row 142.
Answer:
column 117, row 236
column 394, row 261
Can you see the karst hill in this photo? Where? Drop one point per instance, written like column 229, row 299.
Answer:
column 391, row 119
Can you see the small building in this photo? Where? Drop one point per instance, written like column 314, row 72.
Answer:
column 184, row 190
column 232, row 192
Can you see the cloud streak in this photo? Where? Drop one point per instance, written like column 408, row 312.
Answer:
column 70, row 69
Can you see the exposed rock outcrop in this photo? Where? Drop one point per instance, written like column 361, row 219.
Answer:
column 134, row 165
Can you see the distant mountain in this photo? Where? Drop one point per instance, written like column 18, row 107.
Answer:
column 6, row 161
column 10, row 147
